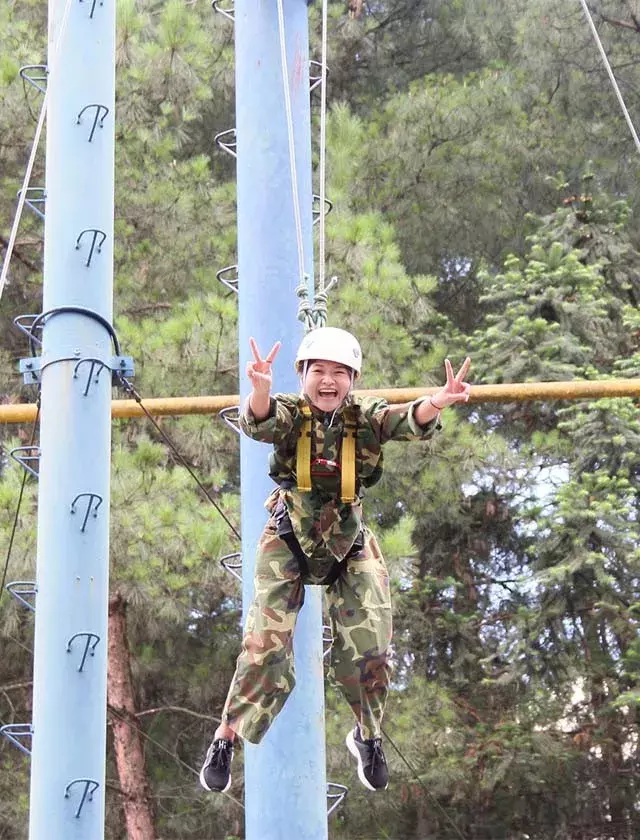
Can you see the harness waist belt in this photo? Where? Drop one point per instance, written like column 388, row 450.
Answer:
column 285, row 532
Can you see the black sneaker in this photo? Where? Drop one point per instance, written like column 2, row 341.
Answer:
column 216, row 770
column 372, row 765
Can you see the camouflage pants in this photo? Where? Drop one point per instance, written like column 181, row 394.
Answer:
column 360, row 614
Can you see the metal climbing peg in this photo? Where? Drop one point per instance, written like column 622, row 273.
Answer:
column 93, row 7
column 98, row 121
column 92, row 642
column 96, row 233
column 93, row 364
column 13, row 731
column 27, row 587
column 91, row 497
column 87, row 794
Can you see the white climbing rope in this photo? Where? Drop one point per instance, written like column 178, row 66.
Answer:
column 292, row 151
column 612, row 77
column 323, row 149
column 314, row 315
column 34, row 149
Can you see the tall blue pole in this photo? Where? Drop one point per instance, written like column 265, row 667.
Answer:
column 70, row 667
column 285, row 776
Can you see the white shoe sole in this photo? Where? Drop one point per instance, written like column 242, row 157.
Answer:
column 213, row 790
column 353, row 749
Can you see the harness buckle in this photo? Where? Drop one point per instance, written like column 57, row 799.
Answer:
column 325, row 467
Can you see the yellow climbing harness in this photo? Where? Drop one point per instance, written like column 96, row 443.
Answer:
column 348, row 466
column 303, row 452
column 348, row 487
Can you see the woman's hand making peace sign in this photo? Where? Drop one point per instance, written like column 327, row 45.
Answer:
column 456, row 389
column 259, row 370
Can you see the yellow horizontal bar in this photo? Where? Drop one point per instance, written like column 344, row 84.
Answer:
column 526, row 391
column 513, row 392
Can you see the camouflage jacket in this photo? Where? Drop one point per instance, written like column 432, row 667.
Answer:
column 320, row 517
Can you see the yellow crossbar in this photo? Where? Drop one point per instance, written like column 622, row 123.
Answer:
column 513, row 392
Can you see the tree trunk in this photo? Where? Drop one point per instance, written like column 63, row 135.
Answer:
column 134, row 784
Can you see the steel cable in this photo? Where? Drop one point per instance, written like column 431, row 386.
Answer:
column 131, row 390
column 164, row 749
column 25, row 475
column 612, row 77
column 430, row 796
column 34, row 148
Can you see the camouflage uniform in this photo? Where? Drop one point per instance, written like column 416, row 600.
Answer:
column 326, row 530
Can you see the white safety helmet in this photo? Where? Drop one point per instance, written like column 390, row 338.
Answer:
column 333, row 345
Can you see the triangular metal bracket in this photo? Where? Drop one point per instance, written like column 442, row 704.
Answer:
column 18, row 321
column 34, row 74
column 25, row 460
column 229, row 146
column 28, row 587
column 230, row 281
column 327, row 639
column 335, row 795
column 228, row 12
column 232, row 568
column 231, row 417
column 33, row 197
column 328, row 207
column 315, row 67
column 13, row 731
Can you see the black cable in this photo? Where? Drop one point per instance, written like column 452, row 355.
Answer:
column 129, row 387
column 16, row 517
column 75, row 310
column 423, row 786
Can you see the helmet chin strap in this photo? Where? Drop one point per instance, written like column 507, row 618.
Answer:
column 303, row 377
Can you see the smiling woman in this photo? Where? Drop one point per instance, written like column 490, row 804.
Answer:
column 327, row 449
column 327, row 384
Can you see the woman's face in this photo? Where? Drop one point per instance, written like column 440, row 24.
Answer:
column 327, row 384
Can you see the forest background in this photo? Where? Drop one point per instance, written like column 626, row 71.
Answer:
column 486, row 200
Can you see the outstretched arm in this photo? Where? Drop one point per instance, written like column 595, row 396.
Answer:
column 455, row 390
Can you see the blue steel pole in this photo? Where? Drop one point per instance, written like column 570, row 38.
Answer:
column 70, row 667
column 285, row 776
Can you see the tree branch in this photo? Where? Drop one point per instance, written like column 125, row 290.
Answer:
column 177, row 709
column 634, row 24
column 16, row 686
column 18, row 255
column 150, row 307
